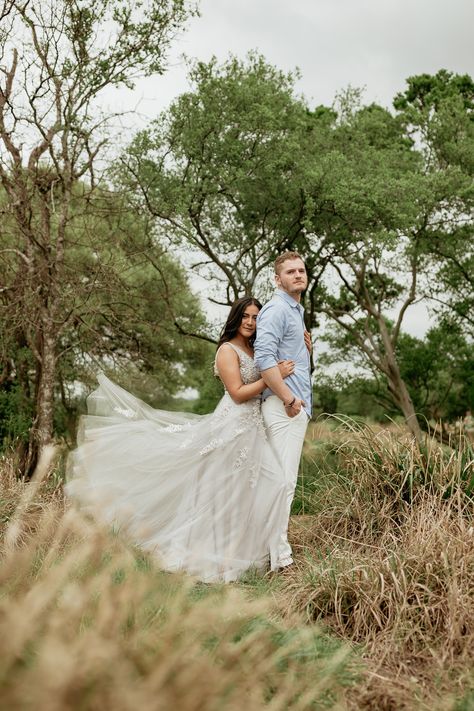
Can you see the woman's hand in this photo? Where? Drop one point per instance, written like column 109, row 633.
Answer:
column 308, row 341
column 286, row 367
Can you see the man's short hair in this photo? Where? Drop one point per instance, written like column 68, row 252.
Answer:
column 285, row 257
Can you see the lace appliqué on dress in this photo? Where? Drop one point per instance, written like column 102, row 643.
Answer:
column 175, row 428
column 248, row 370
column 130, row 414
column 210, row 446
column 253, row 470
column 241, row 459
column 242, row 462
column 251, row 416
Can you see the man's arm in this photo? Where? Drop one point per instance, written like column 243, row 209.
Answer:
column 271, row 326
column 277, row 385
column 272, row 378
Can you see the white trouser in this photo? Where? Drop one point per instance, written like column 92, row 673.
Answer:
column 286, row 436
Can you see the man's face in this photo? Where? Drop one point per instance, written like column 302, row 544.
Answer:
column 292, row 277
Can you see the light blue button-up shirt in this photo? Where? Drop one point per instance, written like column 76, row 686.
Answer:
column 280, row 336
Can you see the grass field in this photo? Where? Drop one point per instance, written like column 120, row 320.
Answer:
column 376, row 613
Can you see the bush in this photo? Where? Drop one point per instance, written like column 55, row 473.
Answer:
column 385, row 561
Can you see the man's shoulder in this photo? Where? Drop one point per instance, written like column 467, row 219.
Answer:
column 276, row 302
column 273, row 306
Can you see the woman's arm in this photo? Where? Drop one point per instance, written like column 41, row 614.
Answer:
column 227, row 362
column 229, row 371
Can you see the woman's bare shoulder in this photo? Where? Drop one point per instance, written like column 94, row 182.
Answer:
column 226, row 352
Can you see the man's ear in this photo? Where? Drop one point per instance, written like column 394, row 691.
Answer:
column 277, row 279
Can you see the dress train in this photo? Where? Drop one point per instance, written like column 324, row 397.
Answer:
column 204, row 493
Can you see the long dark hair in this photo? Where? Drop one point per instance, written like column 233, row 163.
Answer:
column 234, row 319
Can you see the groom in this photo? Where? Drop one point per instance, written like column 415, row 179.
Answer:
column 286, row 404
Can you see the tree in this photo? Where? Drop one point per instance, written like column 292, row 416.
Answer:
column 221, row 172
column 438, row 371
column 123, row 292
column 367, row 216
column 51, row 137
column 353, row 395
column 240, row 169
column 384, row 204
column 438, row 111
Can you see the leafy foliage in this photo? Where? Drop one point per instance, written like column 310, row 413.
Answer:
column 54, row 276
column 220, row 170
column 377, row 202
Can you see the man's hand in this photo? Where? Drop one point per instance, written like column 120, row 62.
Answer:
column 295, row 408
column 275, row 382
column 308, row 342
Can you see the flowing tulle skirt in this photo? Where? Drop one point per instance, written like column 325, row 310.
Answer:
column 204, row 493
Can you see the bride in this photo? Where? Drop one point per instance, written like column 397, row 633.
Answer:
column 204, row 493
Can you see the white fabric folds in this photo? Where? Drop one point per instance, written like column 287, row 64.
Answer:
column 204, row 493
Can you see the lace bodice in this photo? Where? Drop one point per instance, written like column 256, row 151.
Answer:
column 248, row 370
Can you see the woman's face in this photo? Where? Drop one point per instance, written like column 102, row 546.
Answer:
column 248, row 324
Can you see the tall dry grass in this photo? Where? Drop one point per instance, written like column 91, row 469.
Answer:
column 386, row 560
column 86, row 622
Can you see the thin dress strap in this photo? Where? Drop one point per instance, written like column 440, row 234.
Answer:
column 235, row 348
column 216, row 371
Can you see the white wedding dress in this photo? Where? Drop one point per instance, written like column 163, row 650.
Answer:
column 204, row 493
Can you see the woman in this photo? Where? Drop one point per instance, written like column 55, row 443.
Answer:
column 204, row 493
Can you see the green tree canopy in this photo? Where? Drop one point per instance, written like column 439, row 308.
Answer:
column 240, row 169
column 57, row 59
column 221, row 171
column 438, row 111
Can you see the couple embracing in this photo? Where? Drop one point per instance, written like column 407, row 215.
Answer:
column 209, row 494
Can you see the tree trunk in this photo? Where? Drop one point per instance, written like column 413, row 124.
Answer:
column 402, row 398
column 397, row 385
column 42, row 431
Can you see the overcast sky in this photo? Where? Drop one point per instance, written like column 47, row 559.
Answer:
column 374, row 44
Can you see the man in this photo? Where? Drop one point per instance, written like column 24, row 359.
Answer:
column 286, row 404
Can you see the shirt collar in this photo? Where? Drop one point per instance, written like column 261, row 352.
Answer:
column 289, row 299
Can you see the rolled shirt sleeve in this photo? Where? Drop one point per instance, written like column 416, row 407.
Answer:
column 271, row 324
